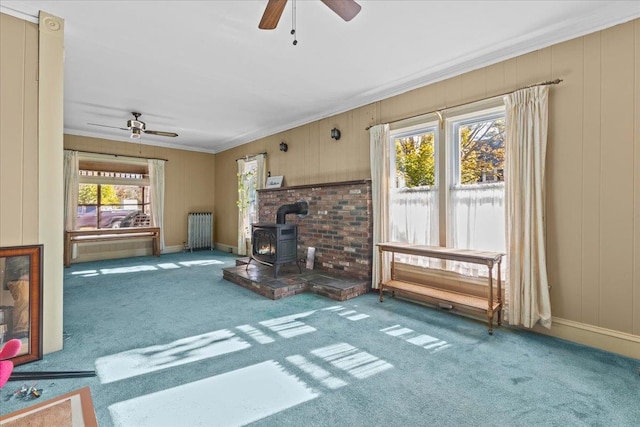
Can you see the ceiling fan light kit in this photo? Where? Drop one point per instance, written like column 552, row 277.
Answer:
column 138, row 127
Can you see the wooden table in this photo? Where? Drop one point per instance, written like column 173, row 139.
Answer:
column 109, row 234
column 491, row 304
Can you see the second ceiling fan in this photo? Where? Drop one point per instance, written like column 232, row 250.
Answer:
column 346, row 9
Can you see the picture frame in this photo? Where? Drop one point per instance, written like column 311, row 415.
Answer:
column 21, row 300
column 274, row 182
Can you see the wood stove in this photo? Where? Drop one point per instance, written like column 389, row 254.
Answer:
column 277, row 244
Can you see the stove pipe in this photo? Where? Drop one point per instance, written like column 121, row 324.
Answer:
column 300, row 208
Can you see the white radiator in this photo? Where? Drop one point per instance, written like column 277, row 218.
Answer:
column 200, row 230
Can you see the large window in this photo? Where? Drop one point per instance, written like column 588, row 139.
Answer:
column 113, row 195
column 447, row 186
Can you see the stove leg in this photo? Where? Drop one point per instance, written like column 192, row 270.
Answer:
column 276, row 268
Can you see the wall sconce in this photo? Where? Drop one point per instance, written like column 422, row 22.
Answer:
column 284, row 147
column 335, row 133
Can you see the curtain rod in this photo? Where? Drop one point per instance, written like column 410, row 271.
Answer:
column 549, row 82
column 121, row 155
column 250, row 155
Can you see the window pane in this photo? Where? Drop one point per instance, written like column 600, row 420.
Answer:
column 415, row 160
column 88, row 194
column 481, row 156
column 413, row 204
column 118, row 206
column 476, row 198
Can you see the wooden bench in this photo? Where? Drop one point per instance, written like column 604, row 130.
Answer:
column 490, row 304
column 108, row 235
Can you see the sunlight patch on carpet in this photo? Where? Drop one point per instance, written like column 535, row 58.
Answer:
column 143, row 268
column 422, row 340
column 255, row 334
column 141, row 361
column 130, row 269
column 358, row 363
column 349, row 314
column 290, row 326
column 201, row 262
column 168, row 265
column 316, row 372
column 234, row 398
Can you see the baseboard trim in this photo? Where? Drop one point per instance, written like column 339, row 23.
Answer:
column 594, row 336
column 226, row 248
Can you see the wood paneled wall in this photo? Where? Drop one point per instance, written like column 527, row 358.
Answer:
column 30, row 134
column 18, row 132
column 593, row 164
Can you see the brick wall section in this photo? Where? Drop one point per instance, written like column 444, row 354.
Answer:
column 339, row 224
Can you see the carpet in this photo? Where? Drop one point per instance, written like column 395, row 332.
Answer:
column 73, row 409
column 174, row 344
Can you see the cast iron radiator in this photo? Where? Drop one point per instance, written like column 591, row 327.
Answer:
column 200, row 230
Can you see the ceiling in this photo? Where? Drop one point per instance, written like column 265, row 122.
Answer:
column 204, row 70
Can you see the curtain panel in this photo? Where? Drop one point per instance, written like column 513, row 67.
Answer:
column 71, row 181
column 156, row 199
column 380, row 171
column 477, row 215
column 247, row 201
column 526, row 144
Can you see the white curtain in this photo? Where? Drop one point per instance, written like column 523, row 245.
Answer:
column 477, row 216
column 415, row 220
column 526, row 143
column 247, row 200
column 156, row 196
column 242, row 226
column 380, row 167
column 71, row 182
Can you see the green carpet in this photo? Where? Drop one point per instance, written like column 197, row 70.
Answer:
column 176, row 345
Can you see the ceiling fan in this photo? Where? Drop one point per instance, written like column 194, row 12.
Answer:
column 138, row 127
column 346, row 9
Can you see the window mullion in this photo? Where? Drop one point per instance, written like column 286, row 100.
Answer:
column 443, row 185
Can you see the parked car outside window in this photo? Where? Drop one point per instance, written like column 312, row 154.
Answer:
column 136, row 219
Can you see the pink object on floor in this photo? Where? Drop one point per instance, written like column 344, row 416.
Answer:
column 10, row 349
column 6, row 367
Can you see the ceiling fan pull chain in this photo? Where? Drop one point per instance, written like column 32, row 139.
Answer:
column 293, row 22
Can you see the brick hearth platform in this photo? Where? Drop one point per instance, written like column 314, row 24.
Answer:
column 259, row 279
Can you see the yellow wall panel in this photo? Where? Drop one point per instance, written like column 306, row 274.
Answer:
column 474, row 85
column 616, row 220
column 12, row 120
column 591, row 187
column 563, row 179
column 30, row 214
column 636, row 180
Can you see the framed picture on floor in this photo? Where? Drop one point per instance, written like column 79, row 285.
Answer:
column 21, row 300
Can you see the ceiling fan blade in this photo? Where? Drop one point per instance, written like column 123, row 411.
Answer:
column 161, row 133
column 346, row 9
column 107, row 126
column 272, row 14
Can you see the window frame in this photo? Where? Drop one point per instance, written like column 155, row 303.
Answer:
column 99, row 170
column 446, row 152
column 452, row 124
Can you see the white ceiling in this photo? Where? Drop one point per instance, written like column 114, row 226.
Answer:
column 203, row 69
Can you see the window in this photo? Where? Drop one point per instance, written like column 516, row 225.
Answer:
column 113, row 195
column 447, row 185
